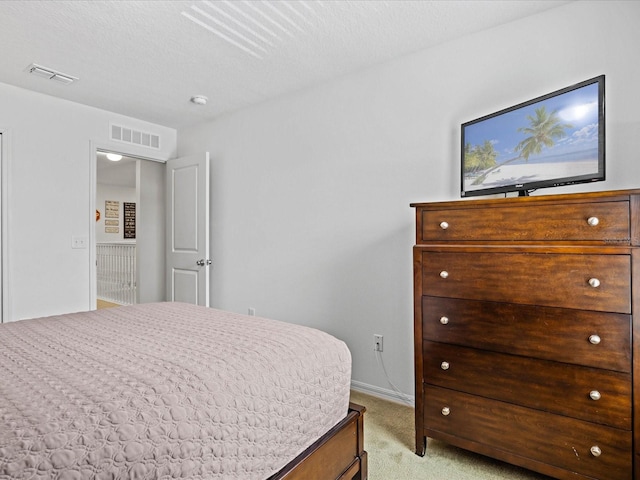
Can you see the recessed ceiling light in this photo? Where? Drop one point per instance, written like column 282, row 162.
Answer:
column 199, row 99
column 114, row 157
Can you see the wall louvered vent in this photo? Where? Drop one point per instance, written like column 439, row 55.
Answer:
column 136, row 137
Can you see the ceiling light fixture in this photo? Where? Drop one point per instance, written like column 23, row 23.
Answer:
column 199, row 99
column 114, row 157
column 51, row 74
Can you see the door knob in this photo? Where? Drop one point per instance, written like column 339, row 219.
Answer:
column 202, row 262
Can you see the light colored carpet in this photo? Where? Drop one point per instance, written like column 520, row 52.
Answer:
column 389, row 439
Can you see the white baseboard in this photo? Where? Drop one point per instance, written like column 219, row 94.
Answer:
column 383, row 393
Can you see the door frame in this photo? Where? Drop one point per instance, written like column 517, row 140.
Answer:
column 5, row 298
column 123, row 149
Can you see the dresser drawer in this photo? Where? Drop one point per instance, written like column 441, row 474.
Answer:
column 555, row 280
column 559, row 441
column 595, row 339
column 602, row 222
column 598, row 396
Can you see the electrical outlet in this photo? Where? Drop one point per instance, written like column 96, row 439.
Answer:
column 79, row 242
column 252, row 311
column 377, row 342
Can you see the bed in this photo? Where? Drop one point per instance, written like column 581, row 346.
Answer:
column 170, row 390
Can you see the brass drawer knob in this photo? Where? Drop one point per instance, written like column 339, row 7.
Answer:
column 446, row 411
column 444, row 365
column 594, row 339
column 595, row 451
column 444, row 274
column 444, row 320
column 593, row 221
column 595, row 395
column 444, row 225
column 594, row 282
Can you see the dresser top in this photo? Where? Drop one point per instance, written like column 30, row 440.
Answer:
column 610, row 195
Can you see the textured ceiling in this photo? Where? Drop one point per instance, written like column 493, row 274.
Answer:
column 147, row 58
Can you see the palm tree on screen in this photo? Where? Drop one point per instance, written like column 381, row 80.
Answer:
column 479, row 157
column 544, row 130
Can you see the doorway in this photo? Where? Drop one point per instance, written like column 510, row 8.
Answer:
column 2, row 220
column 129, row 230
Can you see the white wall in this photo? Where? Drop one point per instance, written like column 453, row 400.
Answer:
column 310, row 193
column 150, row 230
column 50, row 167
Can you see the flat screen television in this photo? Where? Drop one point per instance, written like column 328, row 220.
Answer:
column 552, row 140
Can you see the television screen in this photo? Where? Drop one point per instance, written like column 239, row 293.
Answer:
column 553, row 140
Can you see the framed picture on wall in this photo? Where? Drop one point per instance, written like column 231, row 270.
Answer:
column 129, row 219
column 111, row 209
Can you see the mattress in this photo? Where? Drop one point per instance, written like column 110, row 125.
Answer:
column 164, row 390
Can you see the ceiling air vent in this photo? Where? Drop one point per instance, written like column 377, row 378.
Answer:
column 135, row 137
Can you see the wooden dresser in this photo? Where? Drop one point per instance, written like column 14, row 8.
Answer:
column 526, row 320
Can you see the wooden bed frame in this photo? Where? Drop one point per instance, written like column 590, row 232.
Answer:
column 337, row 455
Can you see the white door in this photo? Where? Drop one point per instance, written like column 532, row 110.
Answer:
column 188, row 261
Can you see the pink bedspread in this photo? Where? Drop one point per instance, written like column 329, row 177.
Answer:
column 163, row 391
